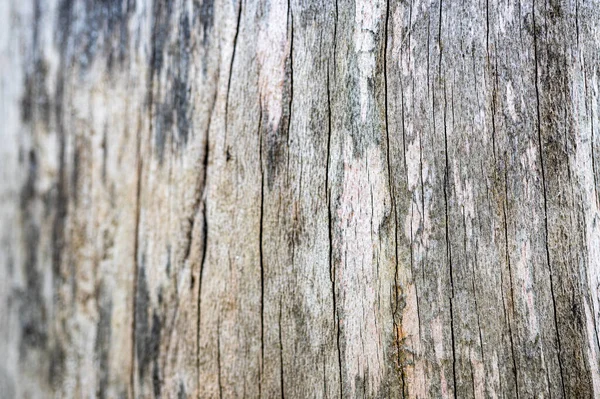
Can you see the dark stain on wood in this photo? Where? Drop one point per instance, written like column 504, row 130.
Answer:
column 181, row 394
column 57, row 361
column 103, row 341
column 161, row 25
column 101, row 32
column 104, row 31
column 35, row 103
column 170, row 90
column 154, row 348
column 147, row 333
column 204, row 12
column 32, row 314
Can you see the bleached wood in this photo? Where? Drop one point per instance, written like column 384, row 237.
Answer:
column 207, row 198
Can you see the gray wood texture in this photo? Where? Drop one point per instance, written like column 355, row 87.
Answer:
column 297, row 198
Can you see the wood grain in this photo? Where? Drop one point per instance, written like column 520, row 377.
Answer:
column 206, row 198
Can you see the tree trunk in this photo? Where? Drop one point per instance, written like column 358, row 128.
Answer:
column 206, row 198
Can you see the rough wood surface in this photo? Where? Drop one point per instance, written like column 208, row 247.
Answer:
column 296, row 198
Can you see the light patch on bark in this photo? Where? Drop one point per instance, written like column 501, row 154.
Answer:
column 368, row 17
column 437, row 334
column 510, row 101
column 584, row 165
column 413, row 164
column 360, row 215
column 478, row 374
column 525, row 281
column 272, row 52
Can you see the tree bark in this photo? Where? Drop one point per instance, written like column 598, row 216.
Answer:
column 206, row 198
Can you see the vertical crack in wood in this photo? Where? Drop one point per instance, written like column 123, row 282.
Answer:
column 440, row 44
column 494, row 73
column 474, row 291
column 281, row 352
column 219, row 356
column 235, row 40
column 327, row 189
column 332, row 270
column 202, row 199
column 594, row 170
column 260, row 243
column 448, row 246
column 290, row 27
column 540, row 148
column 395, row 315
column 335, row 22
column 509, row 320
column 402, row 117
column 422, row 180
column 446, row 205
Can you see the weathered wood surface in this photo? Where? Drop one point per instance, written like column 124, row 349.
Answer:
column 206, row 198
